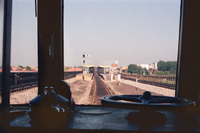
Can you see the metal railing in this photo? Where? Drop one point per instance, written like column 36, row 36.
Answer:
column 166, row 81
column 26, row 80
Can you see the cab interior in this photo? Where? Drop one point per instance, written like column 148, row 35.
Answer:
column 38, row 116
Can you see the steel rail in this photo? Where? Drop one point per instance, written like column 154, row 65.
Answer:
column 95, row 89
column 29, row 85
column 96, row 92
column 105, row 86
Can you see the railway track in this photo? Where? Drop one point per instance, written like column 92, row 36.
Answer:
column 29, row 85
column 99, row 89
column 22, row 87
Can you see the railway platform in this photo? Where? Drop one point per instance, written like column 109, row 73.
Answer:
column 130, row 87
column 86, row 77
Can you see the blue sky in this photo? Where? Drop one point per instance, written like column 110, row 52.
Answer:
column 24, row 33
column 129, row 31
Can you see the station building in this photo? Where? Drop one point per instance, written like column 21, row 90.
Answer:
column 103, row 69
column 88, row 69
column 123, row 69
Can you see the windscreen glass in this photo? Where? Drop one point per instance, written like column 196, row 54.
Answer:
column 118, row 47
column 24, row 70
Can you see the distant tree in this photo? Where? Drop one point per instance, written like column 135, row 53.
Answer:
column 159, row 73
column 169, row 67
column 172, row 71
column 21, row 66
column 67, row 68
column 28, row 68
column 133, row 68
column 162, row 66
column 139, row 70
column 166, row 68
column 146, row 71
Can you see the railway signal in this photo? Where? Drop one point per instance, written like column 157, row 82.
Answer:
column 84, row 70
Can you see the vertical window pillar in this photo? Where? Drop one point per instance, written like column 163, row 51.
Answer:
column 188, row 85
column 7, row 21
column 50, row 42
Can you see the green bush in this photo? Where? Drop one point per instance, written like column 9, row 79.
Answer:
column 159, row 73
column 133, row 68
column 169, row 67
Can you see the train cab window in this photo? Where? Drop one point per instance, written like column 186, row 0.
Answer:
column 131, row 45
column 24, row 63
column 99, row 38
column 134, row 61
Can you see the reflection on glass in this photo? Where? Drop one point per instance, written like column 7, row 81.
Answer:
column 23, row 52
column 132, row 43
column 1, row 44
